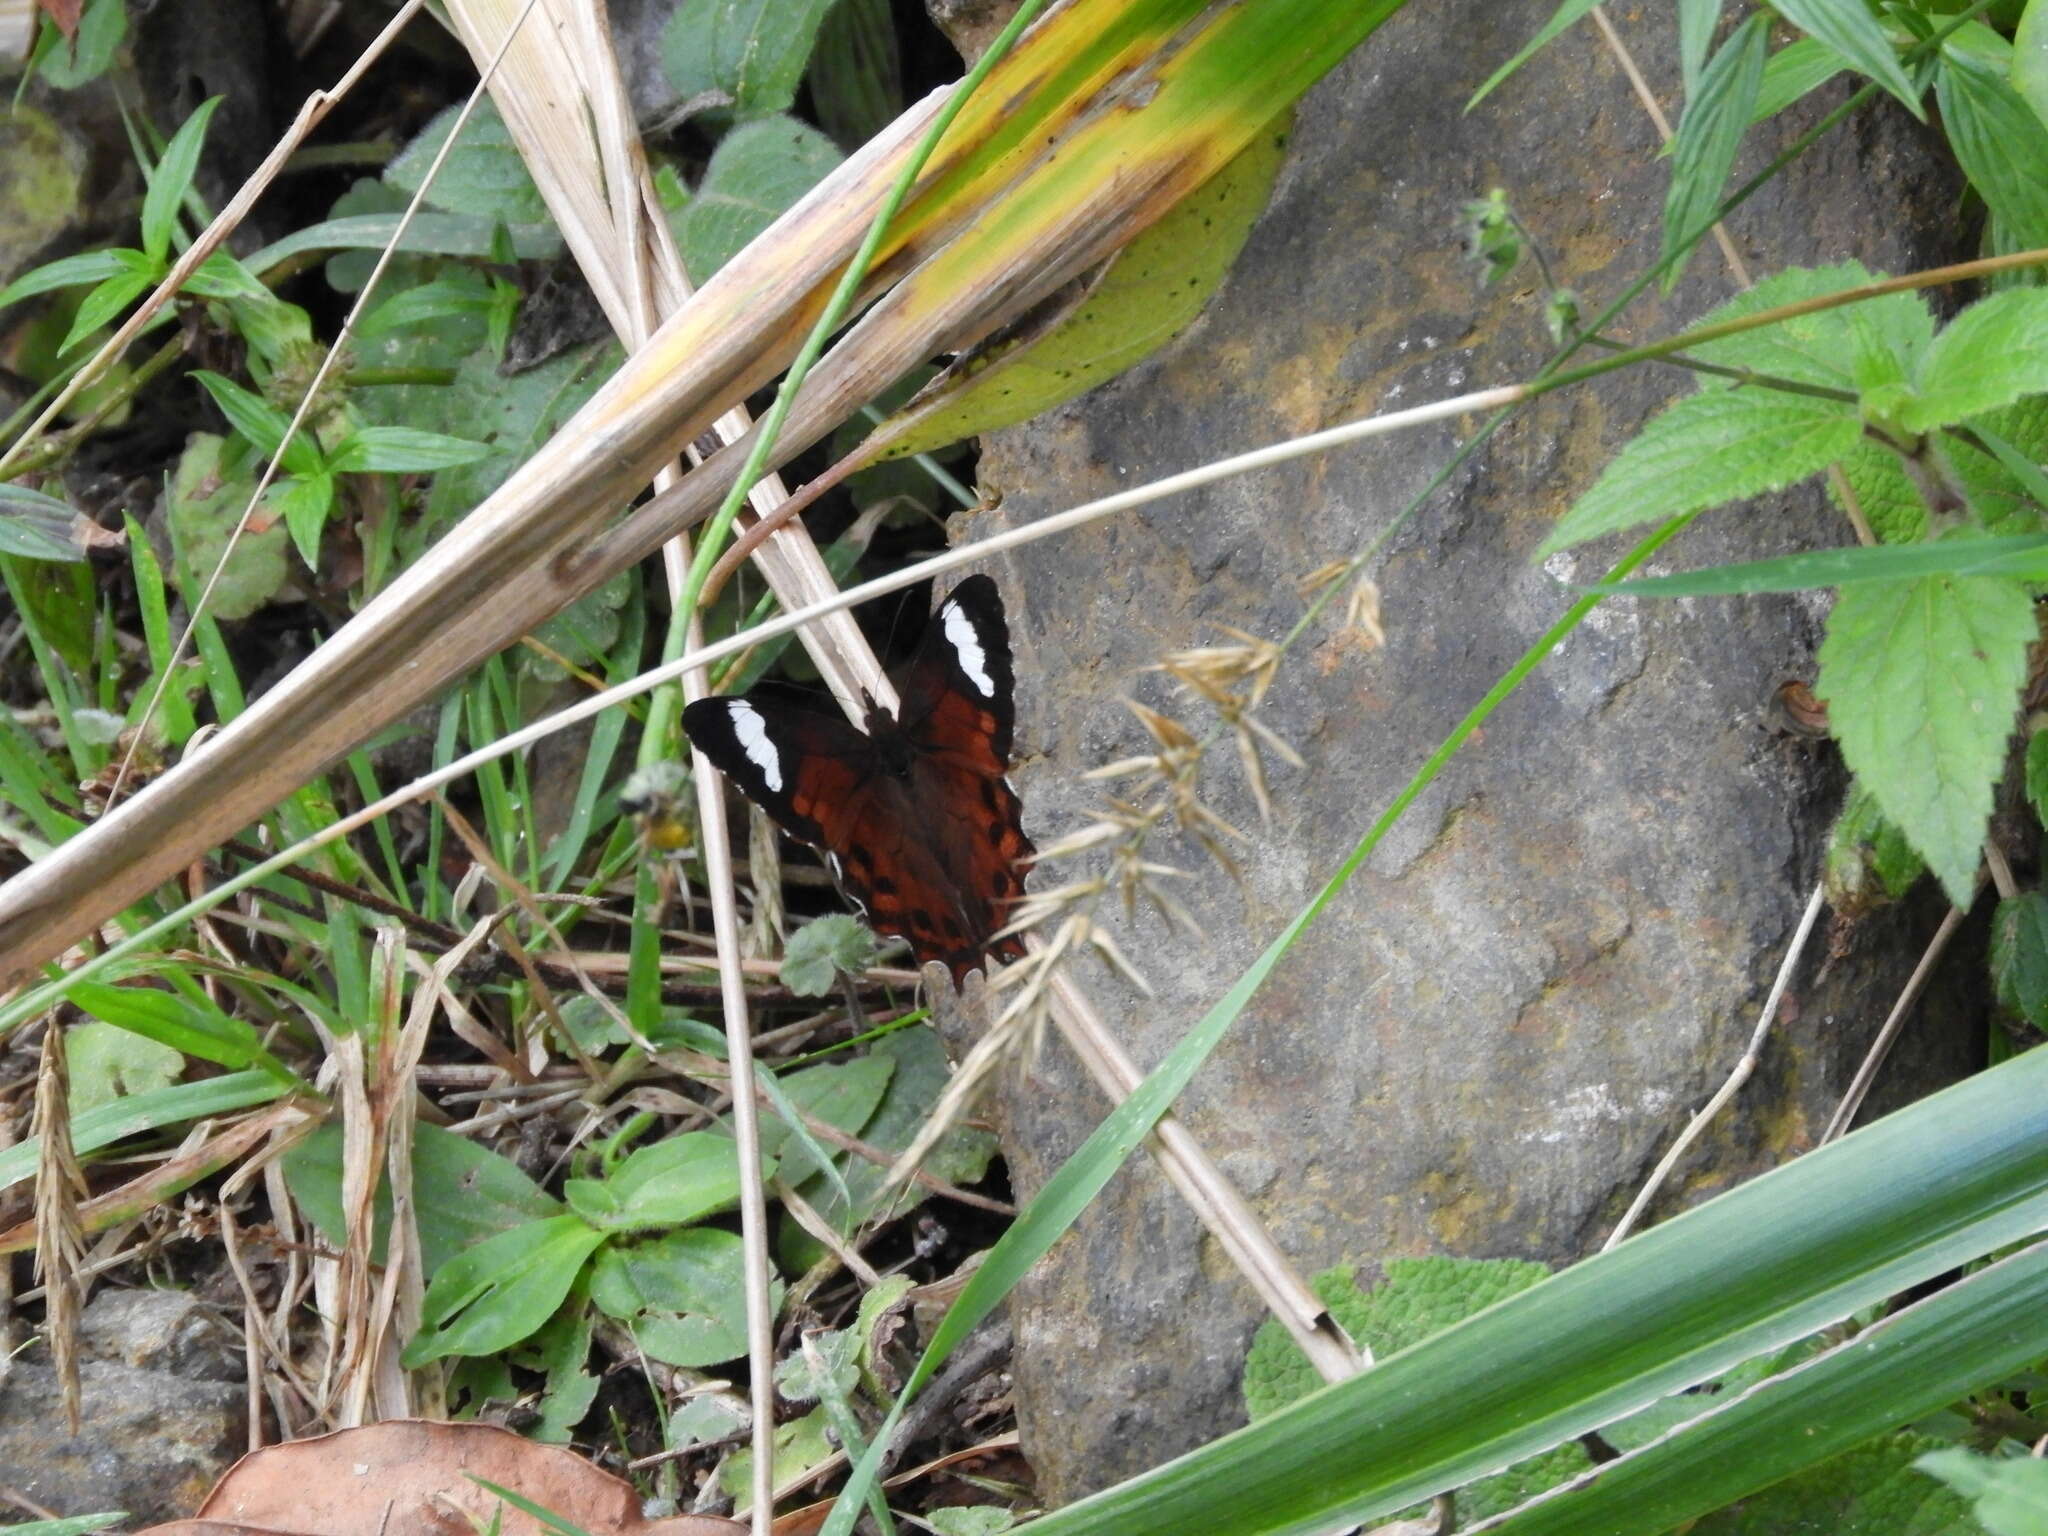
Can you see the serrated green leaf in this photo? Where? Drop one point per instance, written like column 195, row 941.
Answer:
column 404, row 450
column 1829, row 347
column 483, row 176
column 1999, row 142
column 1869, row 862
column 491, row 1296
column 1851, row 30
column 1791, row 73
column 752, row 52
column 1921, row 679
column 463, row 1193
column 1567, row 13
column 1709, row 448
column 756, row 174
column 2037, row 774
column 1990, row 355
column 683, row 1295
column 2019, row 955
column 2021, row 556
column 109, row 1063
column 1703, row 151
column 172, row 176
column 2009, row 1495
column 202, row 511
column 823, row 948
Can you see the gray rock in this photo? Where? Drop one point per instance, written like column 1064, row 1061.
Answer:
column 1487, row 1042
column 148, row 1442
column 162, row 1330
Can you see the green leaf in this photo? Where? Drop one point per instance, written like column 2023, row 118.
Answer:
column 2029, row 69
column 1703, row 152
column 109, row 1063
column 403, row 450
column 683, row 1295
column 2022, row 556
column 1793, row 71
column 750, row 51
column 1852, row 30
column 970, row 1520
column 220, row 276
column 1999, row 142
column 170, row 180
column 463, row 1193
column 756, row 174
column 823, row 948
column 1834, row 348
column 460, row 292
column 39, row 527
column 143, row 1112
column 99, row 307
column 483, row 175
column 670, row 1182
column 68, row 272
column 175, row 1020
column 2037, row 774
column 101, row 28
column 1990, row 355
column 841, row 1094
column 514, row 416
column 2010, row 1493
column 428, row 234
column 202, row 510
column 1709, row 448
column 856, row 75
column 1414, row 1299
column 69, row 1525
column 1868, row 863
column 255, row 418
column 302, row 504
column 1921, row 679
column 1567, row 13
column 1697, row 20
column 828, row 1363
column 502, row 1290
column 2019, row 955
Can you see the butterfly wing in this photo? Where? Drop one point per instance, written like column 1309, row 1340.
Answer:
column 826, row 784
column 959, row 714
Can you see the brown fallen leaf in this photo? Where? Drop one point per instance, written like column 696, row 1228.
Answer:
column 419, row 1476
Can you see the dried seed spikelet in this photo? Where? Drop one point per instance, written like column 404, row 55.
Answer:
column 60, row 1230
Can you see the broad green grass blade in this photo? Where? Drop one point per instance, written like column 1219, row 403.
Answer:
column 1937, row 1185
column 179, row 1104
column 1982, row 1329
column 2022, row 555
column 1067, row 1193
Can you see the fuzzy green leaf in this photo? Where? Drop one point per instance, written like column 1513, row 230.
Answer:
column 1848, row 347
column 2019, row 955
column 1921, row 679
column 1999, row 142
column 2037, row 774
column 483, row 175
column 1868, row 863
column 1709, row 448
column 1991, row 355
column 1703, row 152
column 750, row 52
column 683, row 1295
column 1852, row 30
column 757, row 172
column 108, row 1064
column 2010, row 1493
column 202, row 511
column 823, row 948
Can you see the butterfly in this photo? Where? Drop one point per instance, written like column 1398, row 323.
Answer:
column 916, row 819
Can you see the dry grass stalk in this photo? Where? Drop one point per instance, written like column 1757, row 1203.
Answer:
column 60, row 1231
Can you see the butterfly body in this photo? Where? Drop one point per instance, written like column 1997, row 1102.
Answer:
column 914, row 815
